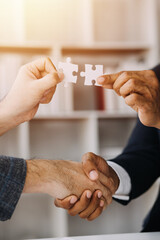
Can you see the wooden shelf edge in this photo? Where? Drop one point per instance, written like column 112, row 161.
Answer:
column 25, row 48
column 118, row 47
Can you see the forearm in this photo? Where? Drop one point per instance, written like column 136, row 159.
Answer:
column 58, row 178
column 8, row 120
column 45, row 176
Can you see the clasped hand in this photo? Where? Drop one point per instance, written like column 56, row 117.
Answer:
column 89, row 185
column 91, row 202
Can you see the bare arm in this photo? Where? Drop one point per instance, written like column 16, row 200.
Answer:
column 35, row 83
column 59, row 179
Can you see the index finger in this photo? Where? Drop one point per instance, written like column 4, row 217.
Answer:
column 43, row 64
column 108, row 80
column 66, row 203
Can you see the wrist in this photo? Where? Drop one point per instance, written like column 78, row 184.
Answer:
column 7, row 120
column 115, row 178
column 41, row 177
column 35, row 176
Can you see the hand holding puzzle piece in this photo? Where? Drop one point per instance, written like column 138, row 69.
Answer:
column 90, row 74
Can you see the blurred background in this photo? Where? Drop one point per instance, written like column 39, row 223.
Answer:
column 121, row 35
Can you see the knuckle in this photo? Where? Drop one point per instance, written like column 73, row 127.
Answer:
column 46, row 101
column 127, row 101
column 90, row 219
column 125, row 74
column 88, row 155
column 109, row 200
column 121, row 72
column 115, row 87
column 83, row 215
column 54, row 76
column 132, row 82
column 134, row 97
column 131, row 99
column 122, row 91
column 56, row 204
column 71, row 213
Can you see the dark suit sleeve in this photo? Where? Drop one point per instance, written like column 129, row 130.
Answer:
column 141, row 159
column 12, row 179
column 157, row 71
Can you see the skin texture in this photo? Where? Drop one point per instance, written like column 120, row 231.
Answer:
column 59, row 179
column 140, row 90
column 35, row 83
column 95, row 168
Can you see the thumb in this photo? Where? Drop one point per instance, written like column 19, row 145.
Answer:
column 108, row 79
column 93, row 164
column 89, row 164
column 67, row 202
column 47, row 82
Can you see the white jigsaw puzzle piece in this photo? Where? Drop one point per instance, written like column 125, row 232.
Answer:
column 68, row 68
column 91, row 74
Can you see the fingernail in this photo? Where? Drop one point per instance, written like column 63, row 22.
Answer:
column 73, row 200
column 101, row 203
column 99, row 194
column 89, row 194
column 93, row 175
column 100, row 79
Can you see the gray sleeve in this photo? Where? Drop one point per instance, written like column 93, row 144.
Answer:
column 12, row 179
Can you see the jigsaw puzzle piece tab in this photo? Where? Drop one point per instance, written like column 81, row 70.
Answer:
column 91, row 75
column 68, row 69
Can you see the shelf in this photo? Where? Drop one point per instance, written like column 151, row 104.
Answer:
column 100, row 48
column 105, row 48
column 82, row 115
column 27, row 47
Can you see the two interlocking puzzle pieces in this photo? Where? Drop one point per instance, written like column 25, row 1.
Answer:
column 90, row 74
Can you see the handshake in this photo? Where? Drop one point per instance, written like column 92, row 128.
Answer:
column 84, row 188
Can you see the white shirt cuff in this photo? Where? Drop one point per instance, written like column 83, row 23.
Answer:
column 124, row 188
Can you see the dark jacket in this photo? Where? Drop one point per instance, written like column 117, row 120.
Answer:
column 141, row 159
